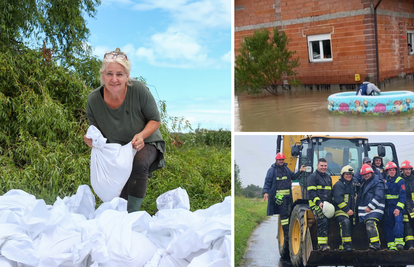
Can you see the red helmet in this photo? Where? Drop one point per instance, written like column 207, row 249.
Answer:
column 406, row 165
column 366, row 169
column 280, row 156
column 390, row 165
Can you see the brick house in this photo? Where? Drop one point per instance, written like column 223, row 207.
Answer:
column 335, row 39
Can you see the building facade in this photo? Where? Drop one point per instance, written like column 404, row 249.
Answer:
column 335, row 39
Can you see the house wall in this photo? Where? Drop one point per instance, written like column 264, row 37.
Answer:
column 351, row 25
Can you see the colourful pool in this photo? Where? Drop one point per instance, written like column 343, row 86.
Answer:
column 386, row 103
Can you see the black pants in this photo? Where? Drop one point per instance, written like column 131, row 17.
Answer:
column 408, row 231
column 137, row 183
column 284, row 210
column 345, row 225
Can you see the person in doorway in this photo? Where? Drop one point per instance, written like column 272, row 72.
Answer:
column 277, row 190
column 368, row 88
column 124, row 110
column 394, row 206
column 379, row 165
column 408, row 217
column 319, row 186
column 344, row 200
column 332, row 165
column 371, row 204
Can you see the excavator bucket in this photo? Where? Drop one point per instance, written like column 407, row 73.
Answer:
column 304, row 252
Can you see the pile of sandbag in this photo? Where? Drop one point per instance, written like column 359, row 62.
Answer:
column 72, row 233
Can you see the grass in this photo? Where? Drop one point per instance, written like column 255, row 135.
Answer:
column 248, row 214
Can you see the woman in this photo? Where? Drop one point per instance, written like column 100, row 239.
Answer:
column 124, row 110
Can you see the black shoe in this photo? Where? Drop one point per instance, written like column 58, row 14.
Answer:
column 374, row 247
column 400, row 247
column 348, row 249
column 324, row 247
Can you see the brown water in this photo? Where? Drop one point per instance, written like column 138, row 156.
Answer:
column 306, row 110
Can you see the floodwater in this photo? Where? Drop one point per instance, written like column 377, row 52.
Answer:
column 306, row 110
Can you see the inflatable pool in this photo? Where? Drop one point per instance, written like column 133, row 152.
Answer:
column 394, row 102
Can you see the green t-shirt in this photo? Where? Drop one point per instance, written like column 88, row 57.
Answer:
column 120, row 125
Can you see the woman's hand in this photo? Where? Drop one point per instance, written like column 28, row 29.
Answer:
column 138, row 142
column 88, row 141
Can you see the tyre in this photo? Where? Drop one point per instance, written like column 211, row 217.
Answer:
column 282, row 242
column 299, row 249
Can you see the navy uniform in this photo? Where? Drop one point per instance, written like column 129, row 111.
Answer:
column 278, row 182
column 394, row 200
column 408, row 216
column 344, row 201
column 371, row 205
column 319, row 186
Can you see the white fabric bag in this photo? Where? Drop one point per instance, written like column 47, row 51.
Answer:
column 111, row 165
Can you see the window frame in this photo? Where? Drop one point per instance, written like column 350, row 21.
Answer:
column 320, row 38
column 410, row 42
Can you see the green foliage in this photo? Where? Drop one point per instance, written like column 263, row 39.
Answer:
column 58, row 23
column 264, row 62
column 248, row 214
column 237, row 180
column 202, row 137
column 252, row 191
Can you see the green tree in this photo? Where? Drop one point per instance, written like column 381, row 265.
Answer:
column 252, row 191
column 58, row 25
column 237, row 180
column 264, row 62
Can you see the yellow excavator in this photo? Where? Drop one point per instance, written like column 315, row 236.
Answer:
column 306, row 150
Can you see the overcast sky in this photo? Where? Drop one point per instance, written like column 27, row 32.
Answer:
column 255, row 153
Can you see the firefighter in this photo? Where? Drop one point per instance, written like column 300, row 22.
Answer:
column 344, row 199
column 379, row 165
column 371, row 204
column 408, row 216
column 277, row 190
column 358, row 177
column 394, row 207
column 319, row 186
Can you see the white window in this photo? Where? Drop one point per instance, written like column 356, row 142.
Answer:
column 320, row 48
column 410, row 42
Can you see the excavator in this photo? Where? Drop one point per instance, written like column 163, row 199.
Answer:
column 302, row 250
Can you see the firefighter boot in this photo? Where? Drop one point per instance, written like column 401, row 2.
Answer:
column 134, row 204
column 374, row 246
column 348, row 246
column 324, row 247
column 373, row 235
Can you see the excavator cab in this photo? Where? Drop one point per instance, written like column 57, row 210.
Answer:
column 340, row 151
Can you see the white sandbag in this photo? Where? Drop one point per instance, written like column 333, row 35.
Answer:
column 209, row 259
column 111, row 165
column 5, row 262
column 16, row 245
column 83, row 202
column 174, row 199
column 53, row 246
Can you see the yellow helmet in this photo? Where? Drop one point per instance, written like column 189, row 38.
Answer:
column 347, row 168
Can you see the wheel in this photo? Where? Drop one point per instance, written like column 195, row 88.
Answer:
column 283, row 246
column 299, row 250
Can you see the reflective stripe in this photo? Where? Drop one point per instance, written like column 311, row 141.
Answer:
column 375, row 202
column 324, row 187
column 285, row 192
column 341, row 205
column 322, row 240
column 311, row 187
column 401, row 205
column 316, row 199
column 399, row 241
column 405, row 218
column 409, row 237
column 341, row 213
column 412, row 214
column 285, row 221
column 374, row 239
column 346, row 239
column 346, row 198
column 371, row 206
column 391, row 196
column 398, row 179
column 281, row 178
column 341, row 247
column 391, row 245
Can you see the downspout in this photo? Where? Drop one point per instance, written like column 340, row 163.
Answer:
column 376, row 42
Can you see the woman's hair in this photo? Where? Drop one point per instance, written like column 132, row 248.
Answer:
column 124, row 62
